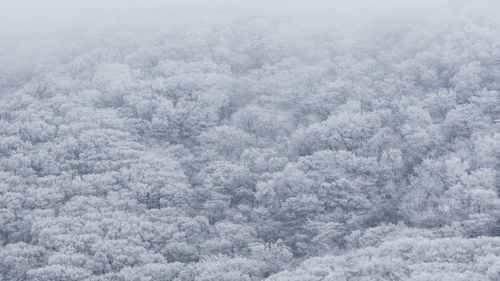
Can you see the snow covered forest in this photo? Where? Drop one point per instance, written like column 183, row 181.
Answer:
column 238, row 140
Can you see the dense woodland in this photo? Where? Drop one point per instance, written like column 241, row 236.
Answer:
column 255, row 147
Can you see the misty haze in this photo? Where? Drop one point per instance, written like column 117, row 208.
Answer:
column 249, row 140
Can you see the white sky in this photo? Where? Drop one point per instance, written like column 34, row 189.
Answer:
column 36, row 15
column 35, row 21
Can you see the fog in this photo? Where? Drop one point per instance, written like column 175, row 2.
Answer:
column 33, row 30
column 25, row 18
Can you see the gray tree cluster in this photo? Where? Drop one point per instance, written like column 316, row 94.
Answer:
column 256, row 148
